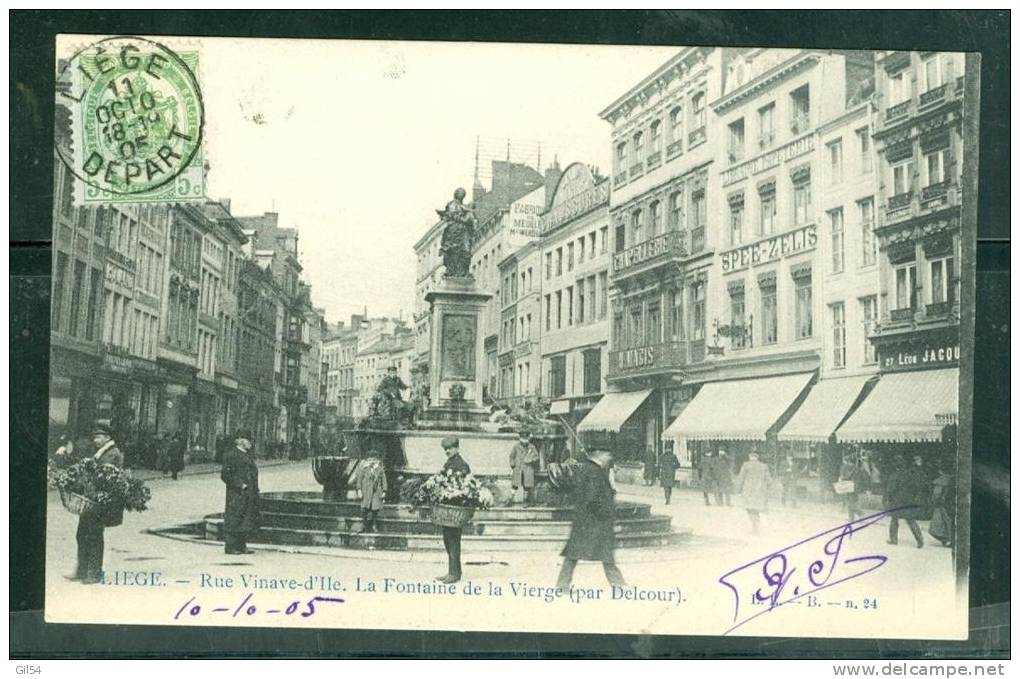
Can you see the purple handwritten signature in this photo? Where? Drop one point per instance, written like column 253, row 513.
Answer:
column 780, row 577
column 192, row 608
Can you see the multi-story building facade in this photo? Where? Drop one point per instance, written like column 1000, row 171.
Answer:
column 76, row 310
column 178, row 350
column 518, row 378
column 664, row 139
column 227, row 354
column 573, row 298
column 258, row 302
column 919, row 140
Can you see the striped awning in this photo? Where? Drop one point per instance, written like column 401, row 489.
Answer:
column 825, row 407
column 610, row 413
column 737, row 410
column 904, row 407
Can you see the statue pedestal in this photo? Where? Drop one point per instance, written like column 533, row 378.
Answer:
column 456, row 356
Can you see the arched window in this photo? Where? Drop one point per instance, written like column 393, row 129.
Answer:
column 676, row 210
column 654, row 215
column 636, row 226
column 676, row 125
column 698, row 111
column 639, row 141
column 621, row 156
column 655, row 141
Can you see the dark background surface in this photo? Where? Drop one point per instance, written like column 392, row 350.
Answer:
column 31, row 95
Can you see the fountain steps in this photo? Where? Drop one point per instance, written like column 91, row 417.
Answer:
column 351, row 539
column 488, row 527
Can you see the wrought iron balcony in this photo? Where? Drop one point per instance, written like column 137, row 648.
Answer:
column 897, row 111
column 934, row 95
column 658, row 250
column 933, row 191
column 648, row 359
column 901, row 315
column 899, row 201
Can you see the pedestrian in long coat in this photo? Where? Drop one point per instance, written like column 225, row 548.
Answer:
column 723, row 478
column 175, row 455
column 92, row 524
column 651, row 468
column 524, row 460
column 852, row 471
column 591, row 529
column 668, row 464
column 753, row 485
column 371, row 482
column 905, row 494
column 241, row 513
column 789, row 471
column 943, row 501
column 707, row 476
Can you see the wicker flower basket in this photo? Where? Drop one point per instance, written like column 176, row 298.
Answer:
column 81, row 505
column 451, row 516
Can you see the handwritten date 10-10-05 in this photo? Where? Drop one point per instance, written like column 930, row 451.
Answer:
column 192, row 608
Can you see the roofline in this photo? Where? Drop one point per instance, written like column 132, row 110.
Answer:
column 647, row 80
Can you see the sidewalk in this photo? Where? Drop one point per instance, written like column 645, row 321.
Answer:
column 200, row 468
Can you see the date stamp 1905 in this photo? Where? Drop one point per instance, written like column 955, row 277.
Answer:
column 136, row 119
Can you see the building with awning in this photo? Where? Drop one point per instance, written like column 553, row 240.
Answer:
column 906, row 407
column 824, row 409
column 613, row 411
column 738, row 410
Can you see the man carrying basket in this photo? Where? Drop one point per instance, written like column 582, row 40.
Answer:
column 92, row 522
column 452, row 534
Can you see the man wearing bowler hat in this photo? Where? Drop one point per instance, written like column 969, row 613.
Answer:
column 451, row 536
column 241, row 476
column 91, row 527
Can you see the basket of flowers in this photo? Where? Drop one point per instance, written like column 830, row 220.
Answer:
column 453, row 498
column 100, row 490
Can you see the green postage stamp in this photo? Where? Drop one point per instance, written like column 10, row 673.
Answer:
column 132, row 115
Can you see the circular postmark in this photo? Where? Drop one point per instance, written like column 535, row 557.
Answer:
column 136, row 115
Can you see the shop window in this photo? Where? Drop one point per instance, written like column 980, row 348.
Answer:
column 557, row 376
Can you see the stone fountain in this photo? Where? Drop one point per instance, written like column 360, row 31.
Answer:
column 412, row 453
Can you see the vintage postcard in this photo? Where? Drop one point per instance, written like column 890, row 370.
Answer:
column 510, row 337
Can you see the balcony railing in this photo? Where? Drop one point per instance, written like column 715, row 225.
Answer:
column 901, row 315
column 662, row 248
column 897, row 111
column 674, row 150
column 900, row 201
column 664, row 356
column 654, row 160
column 933, row 191
column 934, row 95
column 938, row 309
column 696, row 137
column 620, row 179
column 636, row 170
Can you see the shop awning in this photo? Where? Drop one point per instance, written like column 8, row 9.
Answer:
column 613, row 410
column 737, row 410
column 907, row 406
column 826, row 405
column 559, row 407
